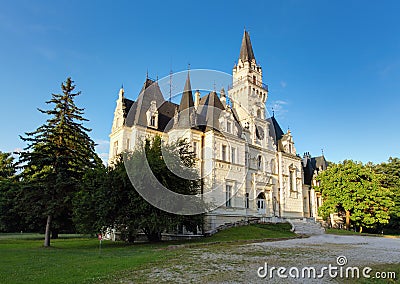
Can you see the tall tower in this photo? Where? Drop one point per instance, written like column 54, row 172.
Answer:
column 248, row 93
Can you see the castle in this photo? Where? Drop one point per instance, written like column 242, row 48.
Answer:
column 242, row 155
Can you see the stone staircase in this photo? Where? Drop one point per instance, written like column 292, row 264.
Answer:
column 306, row 227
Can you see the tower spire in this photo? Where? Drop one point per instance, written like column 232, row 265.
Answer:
column 187, row 97
column 246, row 50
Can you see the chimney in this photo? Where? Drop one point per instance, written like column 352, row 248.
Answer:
column 196, row 99
column 223, row 97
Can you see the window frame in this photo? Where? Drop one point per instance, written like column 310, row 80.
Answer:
column 228, row 195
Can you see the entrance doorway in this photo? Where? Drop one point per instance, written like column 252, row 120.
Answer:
column 261, row 203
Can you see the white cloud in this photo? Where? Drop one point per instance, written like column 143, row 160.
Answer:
column 278, row 107
column 102, row 149
column 102, row 144
column 283, row 84
column 104, row 158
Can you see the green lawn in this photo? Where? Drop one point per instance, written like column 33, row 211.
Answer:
column 79, row 260
column 382, row 268
column 345, row 232
column 253, row 232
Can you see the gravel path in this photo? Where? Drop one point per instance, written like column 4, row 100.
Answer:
column 240, row 263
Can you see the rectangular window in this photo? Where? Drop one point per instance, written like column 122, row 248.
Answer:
column 228, row 196
column 223, row 153
column 153, row 121
column 228, row 127
column 233, row 155
column 292, row 180
column 195, row 149
column 246, row 201
column 115, row 148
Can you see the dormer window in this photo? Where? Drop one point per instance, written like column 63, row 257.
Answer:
column 229, row 127
column 152, row 115
column 153, row 121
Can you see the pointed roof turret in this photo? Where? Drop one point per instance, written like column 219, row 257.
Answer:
column 275, row 130
column 187, row 96
column 121, row 92
column 246, row 50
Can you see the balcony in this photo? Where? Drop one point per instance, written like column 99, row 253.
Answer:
column 251, row 80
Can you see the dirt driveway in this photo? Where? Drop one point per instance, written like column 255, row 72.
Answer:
column 246, row 263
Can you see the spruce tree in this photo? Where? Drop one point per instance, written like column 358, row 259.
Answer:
column 7, row 165
column 57, row 156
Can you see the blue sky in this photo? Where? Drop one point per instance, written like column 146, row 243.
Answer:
column 333, row 67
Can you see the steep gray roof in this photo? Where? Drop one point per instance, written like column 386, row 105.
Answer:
column 209, row 109
column 313, row 164
column 275, row 130
column 246, row 50
column 187, row 114
column 166, row 114
column 127, row 104
column 187, row 96
column 150, row 92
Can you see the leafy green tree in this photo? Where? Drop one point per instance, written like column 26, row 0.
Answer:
column 181, row 160
column 58, row 154
column 114, row 203
column 390, row 178
column 355, row 191
column 90, row 203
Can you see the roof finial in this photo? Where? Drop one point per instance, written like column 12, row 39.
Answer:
column 122, row 85
column 147, row 74
column 121, row 92
column 273, row 112
column 322, row 150
column 188, row 68
column 170, row 84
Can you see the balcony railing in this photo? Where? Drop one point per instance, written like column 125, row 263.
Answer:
column 251, row 80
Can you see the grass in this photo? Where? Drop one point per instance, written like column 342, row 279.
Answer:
column 252, row 232
column 385, row 270
column 352, row 233
column 79, row 260
column 69, row 260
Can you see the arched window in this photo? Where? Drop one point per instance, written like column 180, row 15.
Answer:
column 259, row 113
